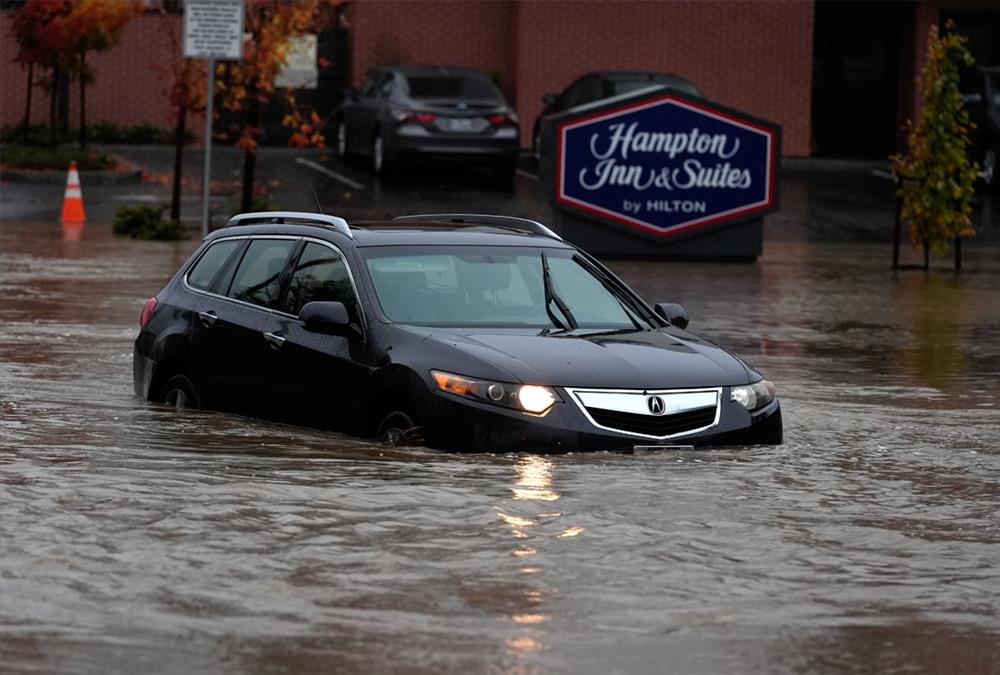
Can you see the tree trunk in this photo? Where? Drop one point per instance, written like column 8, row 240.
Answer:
column 53, row 94
column 83, row 102
column 250, row 157
column 179, row 130
column 249, row 169
column 27, row 104
column 63, row 105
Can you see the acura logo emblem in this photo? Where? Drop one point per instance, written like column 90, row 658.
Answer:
column 655, row 405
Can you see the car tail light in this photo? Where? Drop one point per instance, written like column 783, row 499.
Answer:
column 501, row 118
column 147, row 312
column 412, row 116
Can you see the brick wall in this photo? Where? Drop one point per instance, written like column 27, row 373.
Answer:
column 126, row 88
column 753, row 56
column 478, row 34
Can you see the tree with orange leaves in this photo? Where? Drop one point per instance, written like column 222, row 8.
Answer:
column 247, row 85
column 57, row 34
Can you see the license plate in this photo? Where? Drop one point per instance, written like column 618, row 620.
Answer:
column 639, row 449
column 460, row 124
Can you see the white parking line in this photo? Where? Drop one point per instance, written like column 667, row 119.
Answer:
column 526, row 174
column 330, row 172
column 883, row 174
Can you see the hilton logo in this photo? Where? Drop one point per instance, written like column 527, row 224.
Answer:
column 655, row 405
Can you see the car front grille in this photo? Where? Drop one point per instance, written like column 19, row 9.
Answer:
column 654, row 425
column 657, row 414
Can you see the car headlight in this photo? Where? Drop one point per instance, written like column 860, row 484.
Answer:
column 753, row 396
column 531, row 398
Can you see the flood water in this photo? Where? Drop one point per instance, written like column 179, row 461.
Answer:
column 138, row 539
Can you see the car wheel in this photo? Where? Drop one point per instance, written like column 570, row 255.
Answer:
column 990, row 168
column 342, row 140
column 399, row 428
column 378, row 154
column 506, row 171
column 179, row 392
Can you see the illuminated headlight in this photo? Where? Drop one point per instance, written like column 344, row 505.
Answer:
column 530, row 398
column 753, row 396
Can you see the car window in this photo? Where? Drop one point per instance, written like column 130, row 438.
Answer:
column 206, row 272
column 370, row 85
column 258, row 278
column 320, row 274
column 626, row 86
column 387, row 85
column 440, row 86
column 571, row 96
column 464, row 286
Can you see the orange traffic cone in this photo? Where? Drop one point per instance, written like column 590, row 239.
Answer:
column 72, row 210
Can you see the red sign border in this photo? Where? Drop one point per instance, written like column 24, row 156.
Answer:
column 740, row 212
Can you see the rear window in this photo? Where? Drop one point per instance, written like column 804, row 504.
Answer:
column 626, row 86
column 207, row 269
column 452, row 87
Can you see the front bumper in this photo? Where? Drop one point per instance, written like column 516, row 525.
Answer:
column 468, row 426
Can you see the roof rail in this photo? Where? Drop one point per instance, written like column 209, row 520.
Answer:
column 485, row 219
column 335, row 222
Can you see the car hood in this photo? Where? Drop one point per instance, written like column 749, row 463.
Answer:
column 651, row 359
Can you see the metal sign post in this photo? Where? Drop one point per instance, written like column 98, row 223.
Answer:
column 213, row 30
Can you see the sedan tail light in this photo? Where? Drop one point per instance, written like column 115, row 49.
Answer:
column 501, row 118
column 413, row 116
column 147, row 312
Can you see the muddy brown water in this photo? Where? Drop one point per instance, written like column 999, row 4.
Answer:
column 137, row 539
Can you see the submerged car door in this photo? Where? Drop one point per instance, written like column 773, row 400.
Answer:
column 232, row 341
column 316, row 376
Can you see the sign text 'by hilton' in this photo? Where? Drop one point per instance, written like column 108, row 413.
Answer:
column 666, row 164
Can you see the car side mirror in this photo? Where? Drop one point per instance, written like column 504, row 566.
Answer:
column 672, row 312
column 548, row 99
column 326, row 317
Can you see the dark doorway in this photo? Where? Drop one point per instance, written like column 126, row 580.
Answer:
column 855, row 96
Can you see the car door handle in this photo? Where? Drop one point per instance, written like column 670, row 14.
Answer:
column 207, row 318
column 274, row 340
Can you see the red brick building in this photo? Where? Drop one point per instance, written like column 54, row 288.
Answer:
column 836, row 75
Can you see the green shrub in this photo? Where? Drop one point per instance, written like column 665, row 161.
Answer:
column 145, row 222
column 938, row 179
column 33, row 157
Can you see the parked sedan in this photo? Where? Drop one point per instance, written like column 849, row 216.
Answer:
column 465, row 332
column 596, row 86
column 981, row 91
column 429, row 112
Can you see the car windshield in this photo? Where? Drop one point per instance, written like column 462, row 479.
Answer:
column 500, row 288
column 452, row 87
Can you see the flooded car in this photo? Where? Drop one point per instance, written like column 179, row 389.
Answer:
column 465, row 332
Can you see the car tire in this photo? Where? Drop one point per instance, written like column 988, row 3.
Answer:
column 380, row 167
column 342, row 140
column 179, row 393
column 399, row 428
column 989, row 168
column 506, row 171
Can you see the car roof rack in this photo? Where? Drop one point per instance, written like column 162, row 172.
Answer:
column 335, row 222
column 485, row 219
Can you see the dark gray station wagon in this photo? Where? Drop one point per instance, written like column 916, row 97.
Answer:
column 464, row 332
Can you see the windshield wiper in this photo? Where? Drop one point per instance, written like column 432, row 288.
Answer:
column 551, row 296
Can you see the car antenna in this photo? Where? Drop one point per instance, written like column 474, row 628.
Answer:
column 316, row 198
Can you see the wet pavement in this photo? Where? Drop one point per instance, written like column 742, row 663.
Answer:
column 137, row 539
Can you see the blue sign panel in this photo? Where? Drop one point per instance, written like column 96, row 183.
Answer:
column 666, row 164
